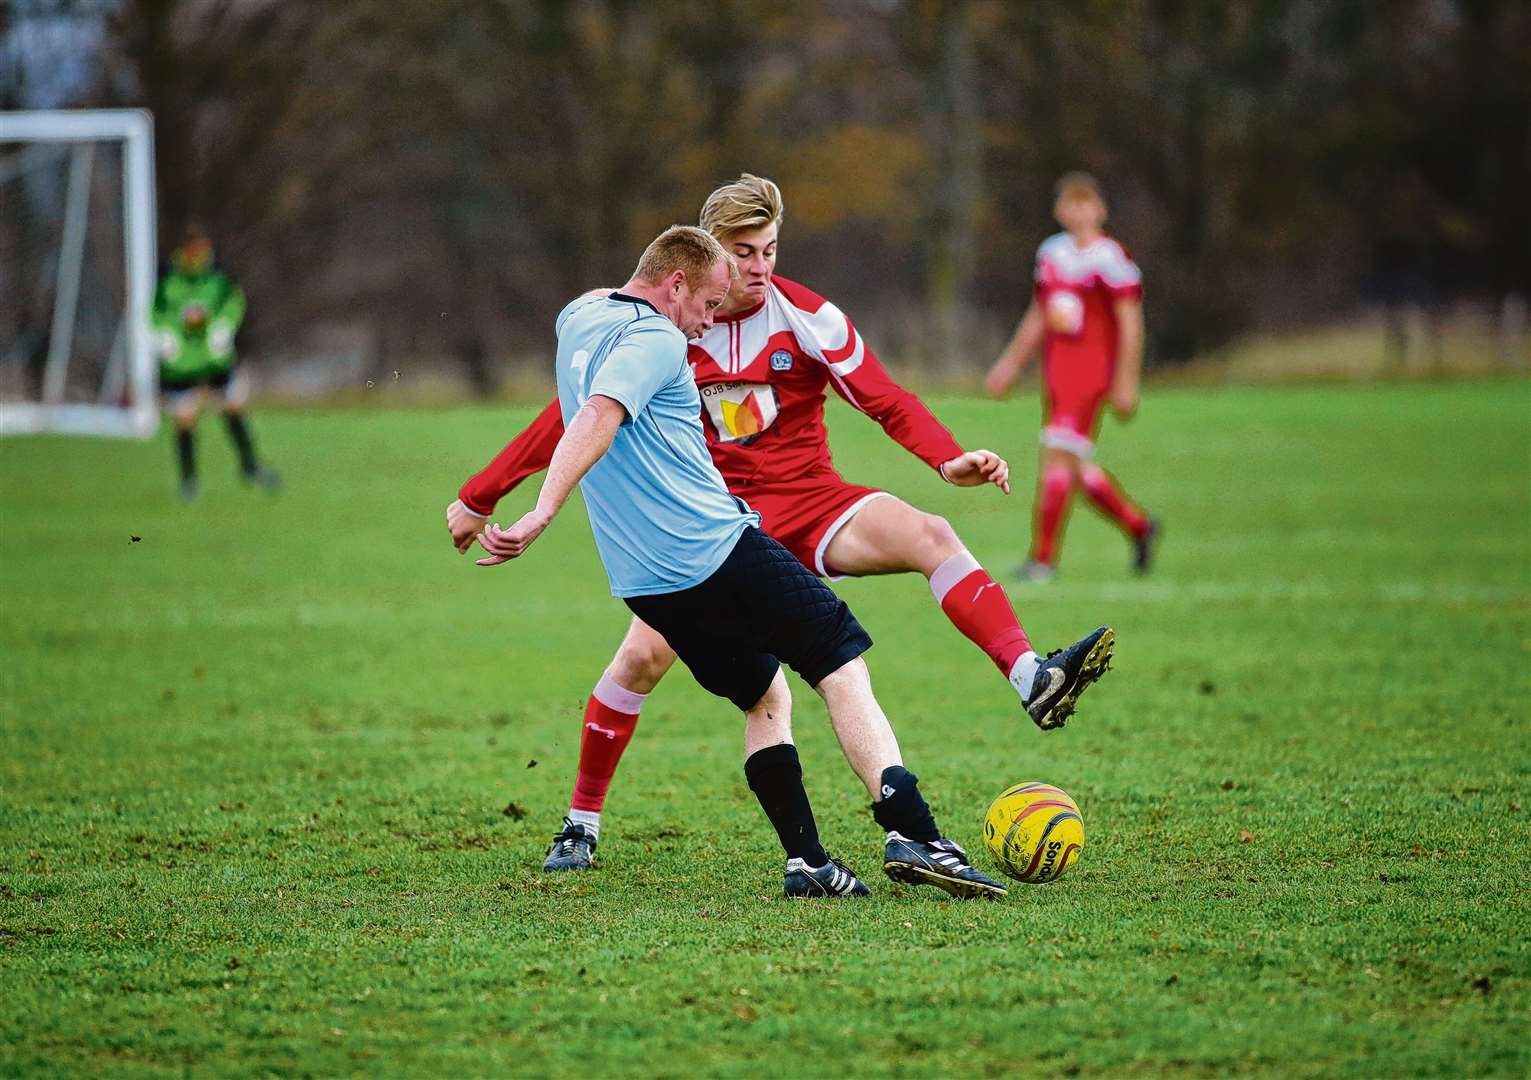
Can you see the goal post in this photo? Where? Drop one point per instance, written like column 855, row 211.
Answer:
column 77, row 272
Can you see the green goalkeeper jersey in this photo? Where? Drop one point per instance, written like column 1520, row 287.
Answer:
column 195, row 318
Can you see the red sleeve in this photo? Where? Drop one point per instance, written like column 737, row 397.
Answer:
column 902, row 415
column 528, row 453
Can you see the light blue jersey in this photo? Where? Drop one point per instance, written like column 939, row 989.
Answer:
column 662, row 516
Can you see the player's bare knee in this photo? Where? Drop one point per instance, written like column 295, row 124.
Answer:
column 641, row 662
column 777, row 700
column 940, row 540
column 849, row 676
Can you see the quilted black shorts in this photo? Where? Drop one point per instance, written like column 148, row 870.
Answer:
column 762, row 608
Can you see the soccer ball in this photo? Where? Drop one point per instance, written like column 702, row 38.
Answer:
column 1034, row 832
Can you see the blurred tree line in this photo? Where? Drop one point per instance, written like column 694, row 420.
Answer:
column 445, row 175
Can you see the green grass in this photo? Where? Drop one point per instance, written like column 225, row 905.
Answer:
column 276, row 781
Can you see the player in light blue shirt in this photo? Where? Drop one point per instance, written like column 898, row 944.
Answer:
column 662, row 517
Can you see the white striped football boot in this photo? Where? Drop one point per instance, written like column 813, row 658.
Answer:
column 832, row 879
column 941, row 863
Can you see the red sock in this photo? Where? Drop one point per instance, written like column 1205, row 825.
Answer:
column 1111, row 500
column 610, row 718
column 978, row 606
column 1052, row 502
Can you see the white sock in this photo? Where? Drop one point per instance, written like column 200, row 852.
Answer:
column 1024, row 673
column 590, row 819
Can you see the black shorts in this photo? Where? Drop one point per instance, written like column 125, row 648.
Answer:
column 762, row 608
column 217, row 381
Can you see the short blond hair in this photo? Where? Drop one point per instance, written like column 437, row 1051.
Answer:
column 749, row 202
column 686, row 248
column 1078, row 185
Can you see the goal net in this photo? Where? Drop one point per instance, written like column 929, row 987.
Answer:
column 77, row 267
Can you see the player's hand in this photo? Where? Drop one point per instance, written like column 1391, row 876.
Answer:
column 506, row 544
column 220, row 339
column 1124, row 401
column 464, row 525
column 977, row 467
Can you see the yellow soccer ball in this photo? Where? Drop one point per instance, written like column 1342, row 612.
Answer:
column 1034, row 832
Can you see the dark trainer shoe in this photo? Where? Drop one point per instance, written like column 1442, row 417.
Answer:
column 1038, row 573
column 942, row 864
column 834, row 878
column 269, row 479
column 1143, row 547
column 1063, row 676
column 573, row 849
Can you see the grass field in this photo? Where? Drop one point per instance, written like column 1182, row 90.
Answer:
column 276, row 778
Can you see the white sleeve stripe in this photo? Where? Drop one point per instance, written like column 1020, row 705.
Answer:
column 851, row 362
column 1117, row 269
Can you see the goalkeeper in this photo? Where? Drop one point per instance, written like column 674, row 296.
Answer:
column 197, row 311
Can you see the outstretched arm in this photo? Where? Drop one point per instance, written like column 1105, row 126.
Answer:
column 587, row 438
column 528, row 453
column 1023, row 345
column 913, row 426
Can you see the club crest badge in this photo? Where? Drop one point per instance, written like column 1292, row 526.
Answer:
column 781, row 360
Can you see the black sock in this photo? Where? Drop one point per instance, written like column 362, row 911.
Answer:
column 902, row 809
column 186, row 452
column 240, row 433
column 776, row 777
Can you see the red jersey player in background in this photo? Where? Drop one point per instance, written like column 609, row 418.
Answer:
column 762, row 370
column 1087, row 316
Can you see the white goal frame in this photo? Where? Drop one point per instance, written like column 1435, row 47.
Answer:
column 135, row 129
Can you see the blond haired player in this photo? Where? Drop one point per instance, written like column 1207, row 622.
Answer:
column 1087, row 318
column 763, row 370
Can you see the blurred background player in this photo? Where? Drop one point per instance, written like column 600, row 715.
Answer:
column 197, row 312
column 1087, row 317
column 764, row 370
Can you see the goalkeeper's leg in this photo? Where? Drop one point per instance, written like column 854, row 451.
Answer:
column 233, row 390
column 182, row 405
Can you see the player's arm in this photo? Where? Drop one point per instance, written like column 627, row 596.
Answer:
column 165, row 323
column 588, row 437
column 528, row 453
column 1129, row 355
column 231, row 308
column 1023, row 345
column 223, row 323
column 869, row 388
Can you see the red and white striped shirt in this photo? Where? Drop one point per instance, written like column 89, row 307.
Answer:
column 763, row 375
column 1077, row 288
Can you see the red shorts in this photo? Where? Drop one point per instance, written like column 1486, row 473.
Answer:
column 1070, row 417
column 805, row 514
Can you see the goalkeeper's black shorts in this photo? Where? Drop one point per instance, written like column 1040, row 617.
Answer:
column 217, row 380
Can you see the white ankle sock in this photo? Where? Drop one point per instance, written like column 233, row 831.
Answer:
column 1024, row 673
column 590, row 819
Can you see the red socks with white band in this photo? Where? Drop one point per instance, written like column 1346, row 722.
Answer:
column 610, row 717
column 977, row 605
